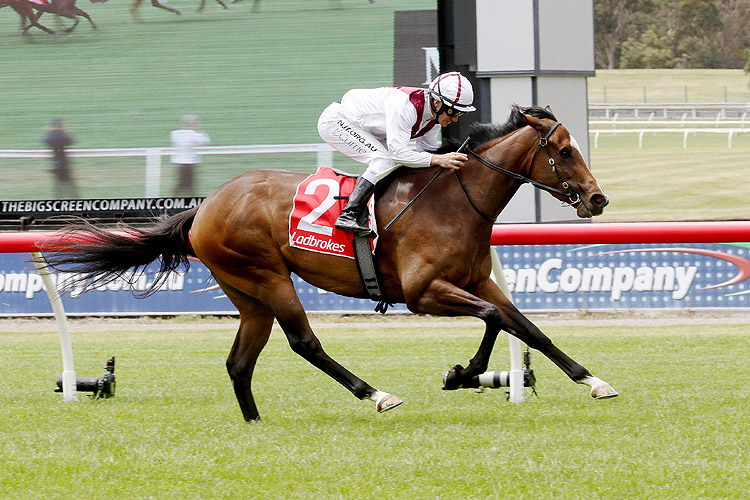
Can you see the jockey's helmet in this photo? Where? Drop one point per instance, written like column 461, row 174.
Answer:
column 454, row 90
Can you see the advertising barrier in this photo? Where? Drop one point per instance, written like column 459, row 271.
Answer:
column 541, row 278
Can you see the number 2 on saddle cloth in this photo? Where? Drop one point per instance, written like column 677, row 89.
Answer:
column 317, row 203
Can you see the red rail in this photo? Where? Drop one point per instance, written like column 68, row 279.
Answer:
column 509, row 234
column 621, row 232
column 37, row 241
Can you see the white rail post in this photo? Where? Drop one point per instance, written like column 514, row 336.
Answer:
column 324, row 159
column 516, row 368
column 153, row 172
column 69, row 374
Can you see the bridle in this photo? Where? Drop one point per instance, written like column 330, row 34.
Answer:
column 573, row 197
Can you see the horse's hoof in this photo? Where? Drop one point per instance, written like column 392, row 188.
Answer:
column 603, row 391
column 452, row 380
column 388, row 402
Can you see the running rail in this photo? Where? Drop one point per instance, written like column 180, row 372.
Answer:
column 621, row 233
column 506, row 234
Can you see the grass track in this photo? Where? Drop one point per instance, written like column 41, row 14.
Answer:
column 668, row 86
column 174, row 429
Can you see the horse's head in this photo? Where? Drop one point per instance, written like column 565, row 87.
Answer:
column 558, row 163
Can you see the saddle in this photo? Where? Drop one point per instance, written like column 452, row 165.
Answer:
column 317, row 203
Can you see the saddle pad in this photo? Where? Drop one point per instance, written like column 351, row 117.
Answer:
column 316, row 208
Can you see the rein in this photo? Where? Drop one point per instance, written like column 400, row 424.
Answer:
column 572, row 196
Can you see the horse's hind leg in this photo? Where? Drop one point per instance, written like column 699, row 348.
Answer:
column 256, row 322
column 33, row 20
column 291, row 316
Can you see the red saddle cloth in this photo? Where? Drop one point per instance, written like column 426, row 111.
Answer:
column 316, row 208
column 41, row 2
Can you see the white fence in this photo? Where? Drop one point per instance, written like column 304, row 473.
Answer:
column 153, row 156
column 669, row 110
column 324, row 153
column 729, row 132
column 685, row 120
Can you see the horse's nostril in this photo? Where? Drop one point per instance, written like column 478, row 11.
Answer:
column 599, row 200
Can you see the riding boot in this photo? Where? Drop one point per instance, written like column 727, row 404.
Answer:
column 351, row 215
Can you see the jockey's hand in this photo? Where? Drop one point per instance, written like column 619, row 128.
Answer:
column 453, row 161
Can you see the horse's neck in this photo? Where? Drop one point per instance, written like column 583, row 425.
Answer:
column 491, row 190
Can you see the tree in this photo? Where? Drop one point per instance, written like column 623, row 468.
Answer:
column 651, row 50
column 671, row 33
column 613, row 20
column 697, row 34
column 735, row 37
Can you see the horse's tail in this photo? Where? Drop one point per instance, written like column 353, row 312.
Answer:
column 96, row 256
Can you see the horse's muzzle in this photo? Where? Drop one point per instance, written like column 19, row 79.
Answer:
column 593, row 206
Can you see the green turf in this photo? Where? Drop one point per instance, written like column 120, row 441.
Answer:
column 663, row 181
column 668, row 86
column 174, row 431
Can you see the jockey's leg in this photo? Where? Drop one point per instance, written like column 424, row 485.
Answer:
column 359, row 145
column 351, row 216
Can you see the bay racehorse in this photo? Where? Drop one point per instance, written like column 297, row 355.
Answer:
column 435, row 258
column 31, row 10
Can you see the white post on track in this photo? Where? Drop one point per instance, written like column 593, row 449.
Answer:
column 69, row 374
column 516, row 362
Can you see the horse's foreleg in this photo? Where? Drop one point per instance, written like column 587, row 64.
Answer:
column 491, row 306
column 291, row 316
column 521, row 327
column 442, row 298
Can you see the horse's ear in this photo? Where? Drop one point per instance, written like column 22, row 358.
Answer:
column 532, row 122
column 548, row 108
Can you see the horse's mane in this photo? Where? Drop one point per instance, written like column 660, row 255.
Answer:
column 480, row 133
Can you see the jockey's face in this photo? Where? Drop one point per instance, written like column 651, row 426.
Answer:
column 444, row 119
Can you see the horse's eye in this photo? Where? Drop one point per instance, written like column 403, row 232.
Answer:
column 565, row 152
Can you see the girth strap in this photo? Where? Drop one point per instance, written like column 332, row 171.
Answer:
column 368, row 273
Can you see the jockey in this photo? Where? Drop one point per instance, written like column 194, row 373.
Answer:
column 375, row 126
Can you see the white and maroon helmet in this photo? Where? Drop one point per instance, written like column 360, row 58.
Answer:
column 455, row 90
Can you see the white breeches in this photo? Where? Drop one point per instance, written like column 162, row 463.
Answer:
column 355, row 143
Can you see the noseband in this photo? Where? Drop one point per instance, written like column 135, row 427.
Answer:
column 573, row 197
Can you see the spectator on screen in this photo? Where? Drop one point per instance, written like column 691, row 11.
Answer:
column 58, row 140
column 184, row 157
